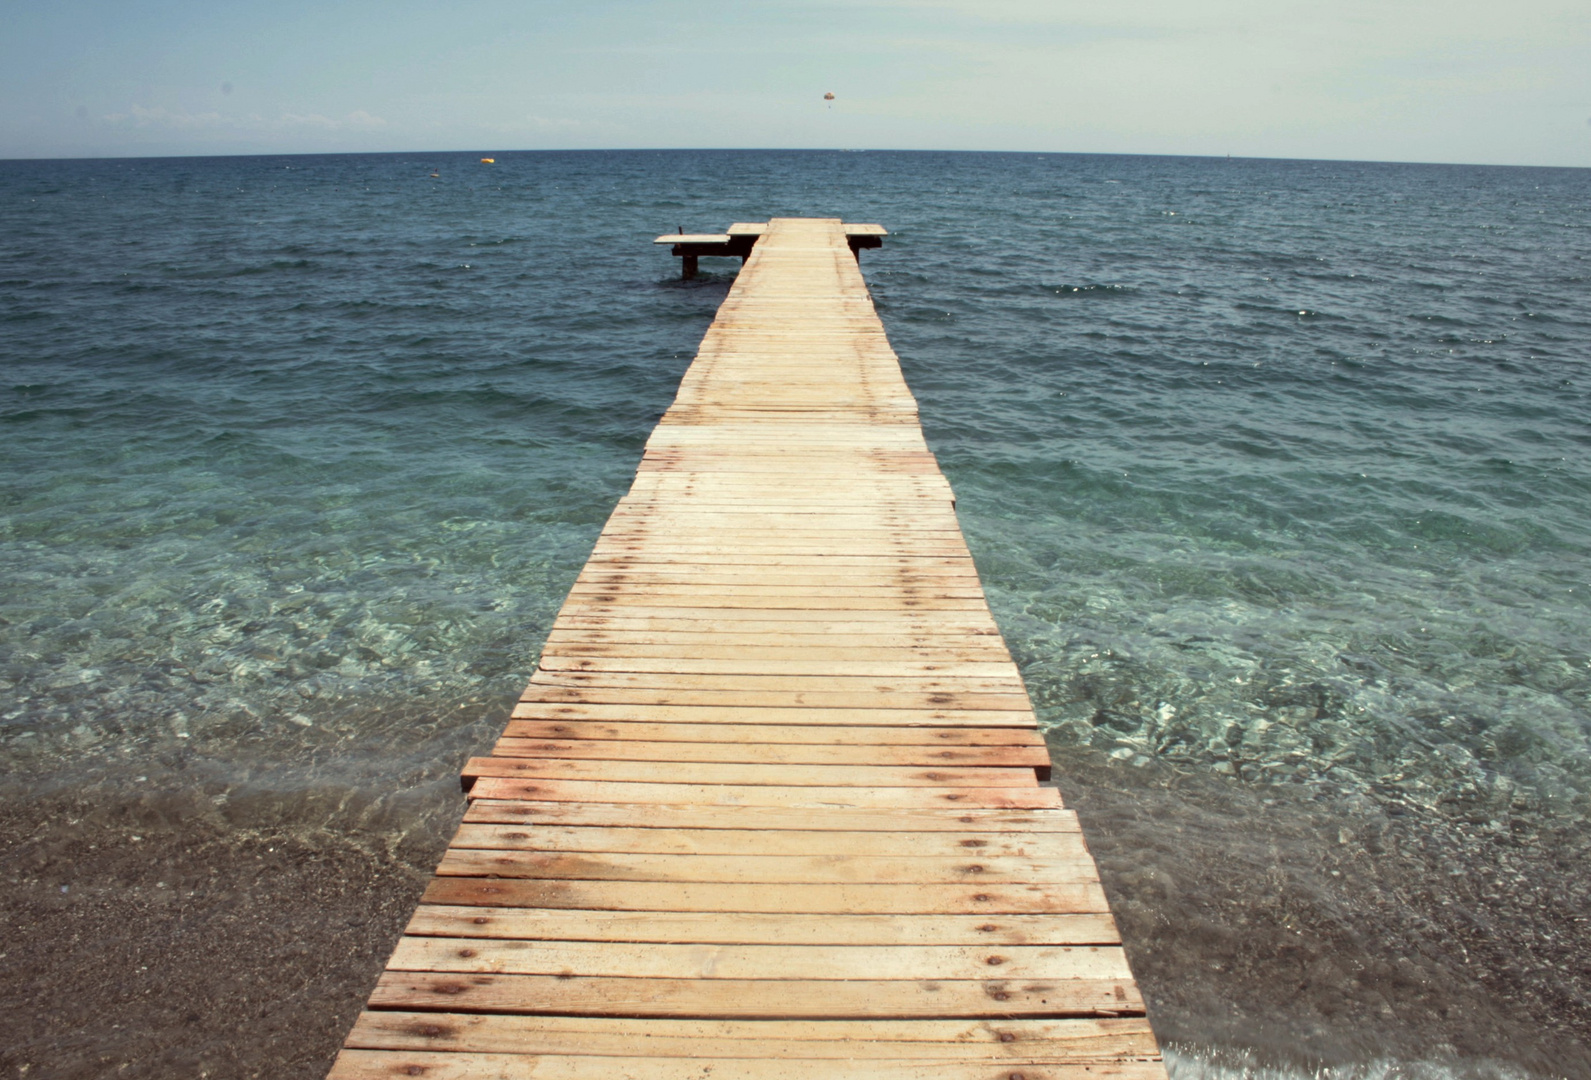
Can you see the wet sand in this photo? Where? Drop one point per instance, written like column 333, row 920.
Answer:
column 163, row 942
column 1332, row 932
column 1261, row 925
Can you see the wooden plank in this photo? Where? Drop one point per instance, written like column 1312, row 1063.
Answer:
column 747, row 998
column 662, row 960
column 808, row 715
column 1003, row 681
column 708, row 547
column 818, row 798
column 775, row 753
column 874, row 494
column 692, row 238
column 865, row 898
column 703, row 527
column 772, row 775
column 754, row 869
column 931, row 520
column 361, row 1064
column 1083, row 897
column 708, row 543
column 624, row 600
column 951, row 571
column 904, row 631
column 867, row 691
column 794, row 462
column 919, row 682
column 978, row 673
column 1078, row 1039
column 577, row 642
column 794, row 697
column 768, row 629
column 750, row 928
column 779, row 597
column 640, row 570
column 828, row 560
column 804, row 658
column 936, row 629
column 773, row 735
column 895, row 581
column 1050, row 819
column 750, row 841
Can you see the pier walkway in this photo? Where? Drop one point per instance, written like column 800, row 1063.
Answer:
column 770, row 806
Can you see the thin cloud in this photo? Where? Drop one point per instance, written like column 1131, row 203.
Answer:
column 139, row 116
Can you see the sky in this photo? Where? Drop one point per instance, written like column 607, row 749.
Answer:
column 1473, row 81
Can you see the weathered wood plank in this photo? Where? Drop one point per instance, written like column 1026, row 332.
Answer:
column 842, row 899
column 767, row 628
column 664, row 960
column 773, row 775
column 647, row 700
column 816, row 798
column 770, row 869
column 362, row 1064
column 807, row 715
column 968, row 674
column 767, row 998
column 773, row 735
column 1079, row 1039
column 774, row 753
column 750, row 928
column 575, row 643
column 762, row 842
column 1005, row 683
column 771, row 819
column 1079, row 897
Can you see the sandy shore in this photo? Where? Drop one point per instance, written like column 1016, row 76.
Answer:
column 142, row 947
column 159, row 940
column 1332, row 933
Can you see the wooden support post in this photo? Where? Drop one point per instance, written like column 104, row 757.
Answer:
column 687, row 267
column 857, row 242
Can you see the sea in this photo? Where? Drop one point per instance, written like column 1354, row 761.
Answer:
column 1277, row 473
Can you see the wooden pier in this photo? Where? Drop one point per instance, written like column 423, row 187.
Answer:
column 742, row 237
column 770, row 807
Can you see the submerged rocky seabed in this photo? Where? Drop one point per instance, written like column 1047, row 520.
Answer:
column 296, row 654
column 1192, row 1063
column 1464, row 723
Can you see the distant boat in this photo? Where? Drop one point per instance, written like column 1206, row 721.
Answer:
column 435, row 174
column 488, row 161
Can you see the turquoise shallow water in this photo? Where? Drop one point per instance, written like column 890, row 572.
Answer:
column 1275, row 468
column 1276, row 471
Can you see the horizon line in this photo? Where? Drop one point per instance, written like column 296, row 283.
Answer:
column 779, row 150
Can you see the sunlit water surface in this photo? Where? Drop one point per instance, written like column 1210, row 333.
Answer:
column 1277, row 470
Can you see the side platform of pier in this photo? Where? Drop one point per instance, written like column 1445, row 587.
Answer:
column 770, row 805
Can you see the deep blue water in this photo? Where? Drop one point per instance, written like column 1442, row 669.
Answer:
column 1273, row 468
